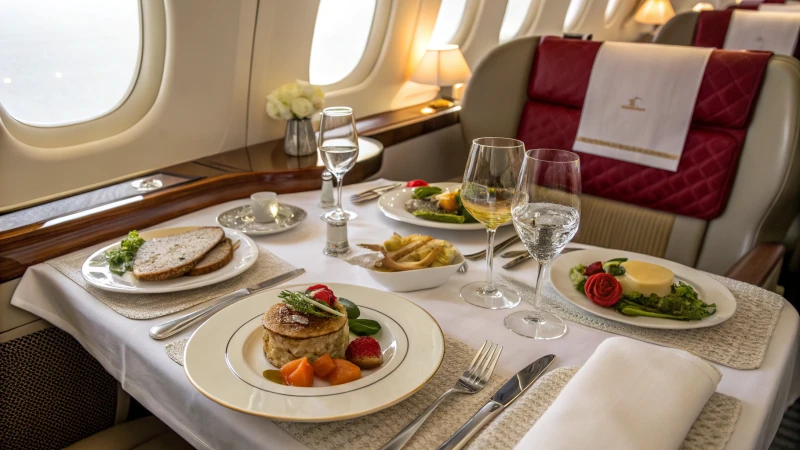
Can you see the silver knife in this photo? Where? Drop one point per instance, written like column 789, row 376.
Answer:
column 497, row 248
column 521, row 259
column 499, row 401
column 167, row 329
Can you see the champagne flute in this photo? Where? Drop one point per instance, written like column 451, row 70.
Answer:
column 489, row 183
column 338, row 149
column 546, row 213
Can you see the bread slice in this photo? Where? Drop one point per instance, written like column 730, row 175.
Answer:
column 216, row 259
column 172, row 256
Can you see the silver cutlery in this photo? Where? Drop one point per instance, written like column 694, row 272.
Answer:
column 470, row 382
column 464, row 268
column 514, row 253
column 521, row 259
column 167, row 329
column 499, row 401
column 497, row 248
column 378, row 190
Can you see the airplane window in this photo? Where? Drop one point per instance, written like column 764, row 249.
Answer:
column 574, row 12
column 618, row 10
column 65, row 62
column 516, row 13
column 448, row 22
column 340, row 38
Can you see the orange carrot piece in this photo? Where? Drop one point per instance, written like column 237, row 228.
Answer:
column 323, row 366
column 344, row 372
column 303, row 376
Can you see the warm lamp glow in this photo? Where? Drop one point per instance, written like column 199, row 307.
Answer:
column 703, row 6
column 442, row 66
column 655, row 12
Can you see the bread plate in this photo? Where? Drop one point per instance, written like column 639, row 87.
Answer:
column 392, row 205
column 96, row 272
column 708, row 289
column 224, row 360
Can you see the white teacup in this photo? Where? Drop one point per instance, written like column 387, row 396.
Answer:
column 264, row 206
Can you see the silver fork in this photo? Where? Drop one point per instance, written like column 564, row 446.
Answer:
column 470, row 382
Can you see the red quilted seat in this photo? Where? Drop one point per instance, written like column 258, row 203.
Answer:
column 701, row 186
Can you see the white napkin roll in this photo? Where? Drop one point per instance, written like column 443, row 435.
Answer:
column 628, row 395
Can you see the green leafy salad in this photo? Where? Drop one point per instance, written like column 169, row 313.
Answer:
column 430, row 203
column 120, row 260
column 599, row 282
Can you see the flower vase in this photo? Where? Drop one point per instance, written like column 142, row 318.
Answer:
column 299, row 139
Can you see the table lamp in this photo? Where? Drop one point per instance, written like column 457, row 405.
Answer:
column 655, row 12
column 445, row 67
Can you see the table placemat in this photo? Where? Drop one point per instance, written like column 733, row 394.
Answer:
column 711, row 430
column 148, row 306
column 740, row 342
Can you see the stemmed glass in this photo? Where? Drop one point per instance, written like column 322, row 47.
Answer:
column 546, row 213
column 489, row 183
column 338, row 149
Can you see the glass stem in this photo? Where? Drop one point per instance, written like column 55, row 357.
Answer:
column 339, row 184
column 490, row 260
column 537, row 297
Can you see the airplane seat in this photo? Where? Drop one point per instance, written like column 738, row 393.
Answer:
column 147, row 433
column 533, row 89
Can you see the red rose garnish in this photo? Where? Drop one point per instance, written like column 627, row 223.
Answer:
column 595, row 267
column 603, row 289
column 316, row 287
column 416, row 183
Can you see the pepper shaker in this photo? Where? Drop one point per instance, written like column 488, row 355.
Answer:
column 337, row 244
column 327, row 200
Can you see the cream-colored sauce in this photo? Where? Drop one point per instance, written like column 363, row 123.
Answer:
column 646, row 278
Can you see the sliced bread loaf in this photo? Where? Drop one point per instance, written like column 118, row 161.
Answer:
column 172, row 256
column 216, row 259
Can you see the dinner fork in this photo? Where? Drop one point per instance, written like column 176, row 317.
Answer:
column 470, row 382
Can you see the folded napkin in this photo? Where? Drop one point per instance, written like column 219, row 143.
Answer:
column 628, row 395
column 780, row 7
column 640, row 101
column 762, row 30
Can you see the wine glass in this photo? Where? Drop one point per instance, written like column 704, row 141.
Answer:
column 546, row 213
column 489, row 183
column 338, row 149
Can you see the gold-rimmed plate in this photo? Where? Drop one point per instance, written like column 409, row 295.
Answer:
column 224, row 360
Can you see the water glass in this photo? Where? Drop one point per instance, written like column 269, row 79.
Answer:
column 338, row 149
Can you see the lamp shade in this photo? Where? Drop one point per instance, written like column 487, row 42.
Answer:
column 442, row 66
column 655, row 12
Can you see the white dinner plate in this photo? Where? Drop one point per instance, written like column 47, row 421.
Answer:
column 224, row 360
column 708, row 289
column 392, row 204
column 95, row 269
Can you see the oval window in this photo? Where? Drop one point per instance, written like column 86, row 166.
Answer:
column 517, row 11
column 448, row 22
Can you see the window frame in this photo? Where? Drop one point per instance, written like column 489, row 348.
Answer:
column 140, row 97
column 534, row 9
column 467, row 21
column 580, row 16
column 620, row 14
column 375, row 40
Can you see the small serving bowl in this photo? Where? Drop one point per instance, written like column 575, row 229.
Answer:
column 415, row 280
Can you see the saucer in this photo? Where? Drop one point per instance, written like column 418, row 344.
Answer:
column 241, row 219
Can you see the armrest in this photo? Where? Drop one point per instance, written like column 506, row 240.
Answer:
column 757, row 265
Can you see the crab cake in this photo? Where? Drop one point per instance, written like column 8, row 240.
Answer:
column 289, row 335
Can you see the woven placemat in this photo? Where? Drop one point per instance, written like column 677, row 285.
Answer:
column 711, row 430
column 148, row 306
column 739, row 342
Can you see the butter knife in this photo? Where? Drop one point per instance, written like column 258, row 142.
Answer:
column 167, row 329
column 499, row 401
column 522, row 258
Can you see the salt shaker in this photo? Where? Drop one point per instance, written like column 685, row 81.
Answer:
column 337, row 244
column 327, row 190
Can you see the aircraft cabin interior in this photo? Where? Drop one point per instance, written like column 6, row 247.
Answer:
column 386, row 224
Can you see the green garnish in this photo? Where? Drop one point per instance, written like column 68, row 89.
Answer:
column 680, row 304
column 463, row 211
column 120, row 260
column 438, row 217
column 426, row 191
column 613, row 266
column 576, row 274
column 352, row 310
column 300, row 302
column 364, row 327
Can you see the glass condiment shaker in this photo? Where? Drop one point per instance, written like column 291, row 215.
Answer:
column 327, row 200
column 337, row 244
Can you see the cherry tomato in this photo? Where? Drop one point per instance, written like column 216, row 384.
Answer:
column 416, row 183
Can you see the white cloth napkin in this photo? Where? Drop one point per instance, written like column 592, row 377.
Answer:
column 763, row 30
column 780, row 7
column 628, row 395
column 640, row 101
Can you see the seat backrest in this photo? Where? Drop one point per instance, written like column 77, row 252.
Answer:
column 535, row 91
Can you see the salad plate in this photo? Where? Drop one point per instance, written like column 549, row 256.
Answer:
column 225, row 360
column 707, row 288
column 392, row 205
column 96, row 271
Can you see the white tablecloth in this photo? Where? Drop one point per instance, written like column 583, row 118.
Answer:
column 142, row 366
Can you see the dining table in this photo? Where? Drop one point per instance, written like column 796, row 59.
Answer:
column 125, row 349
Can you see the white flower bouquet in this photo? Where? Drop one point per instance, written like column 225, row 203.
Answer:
column 298, row 100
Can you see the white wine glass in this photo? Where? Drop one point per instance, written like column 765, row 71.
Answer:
column 338, row 149
column 490, row 180
column 546, row 211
